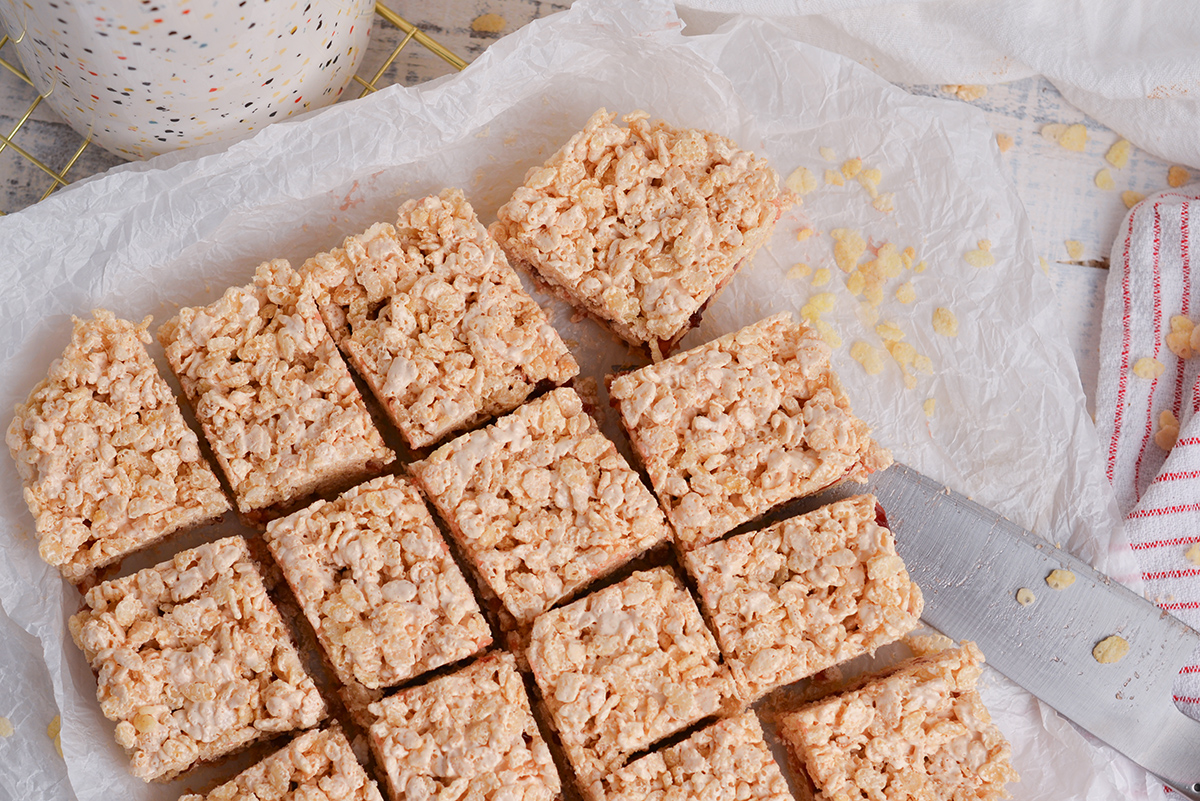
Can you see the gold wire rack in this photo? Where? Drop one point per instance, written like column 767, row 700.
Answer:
column 59, row 176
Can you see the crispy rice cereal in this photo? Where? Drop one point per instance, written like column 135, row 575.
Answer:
column 193, row 660
column 433, row 318
column 541, row 502
column 316, row 766
column 641, row 226
column 801, row 596
column 624, row 667
column 735, row 427
column 376, row 580
column 469, row 735
column 921, row 731
column 727, row 761
column 108, row 464
column 273, row 396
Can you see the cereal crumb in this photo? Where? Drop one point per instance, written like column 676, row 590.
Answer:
column 1193, row 554
column 1180, row 339
column 923, row 363
column 800, row 270
column 966, row 91
column 821, row 277
column 488, row 23
column 907, row 256
column 889, row 331
column 1053, row 131
column 1045, row 265
column 1074, row 138
column 833, row 177
column 1060, row 579
column 828, row 333
column 929, row 406
column 801, row 181
column 1131, row 198
column 982, row 257
column 871, row 358
column 1104, row 180
column 1074, row 249
column 1177, row 176
column 1025, row 596
column 920, row 268
column 851, row 167
column 804, row 233
column 944, row 322
column 873, row 294
column 848, row 248
column 54, row 732
column 1004, row 142
column 1111, row 649
column 869, row 178
column 1118, row 154
column 817, row 305
column 885, row 202
column 1148, row 368
column 828, row 154
column 926, row 644
column 6, row 727
column 856, row 283
column 1168, row 430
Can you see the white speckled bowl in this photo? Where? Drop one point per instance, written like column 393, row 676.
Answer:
column 142, row 77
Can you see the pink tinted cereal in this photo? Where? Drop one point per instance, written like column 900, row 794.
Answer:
column 316, row 766
column 920, row 731
column 541, row 502
column 733, row 428
column 193, row 660
column 801, row 596
column 377, row 582
column 623, row 668
column 467, row 735
column 431, row 315
column 641, row 225
column 273, row 396
column 108, row 464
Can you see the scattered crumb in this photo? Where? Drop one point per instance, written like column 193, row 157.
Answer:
column 1168, row 430
column 907, row 256
column 6, row 727
column 1060, row 579
column 1131, row 198
column 905, row 292
column 488, row 23
column 848, row 248
column 1111, row 649
column 1074, row 138
column 1191, row 554
column 923, row 363
column 1148, row 368
column 889, row 331
column 834, row 177
column 920, row 268
column 926, row 644
column 1045, row 265
column 804, row 233
column 1004, row 142
column 1025, row 596
column 1118, row 154
column 799, row 271
column 828, row 333
column 817, row 305
column 1074, row 249
column 944, row 322
column 850, row 167
column 983, row 256
column 856, row 283
column 1177, row 176
column 801, row 181
column 1053, row 131
column 873, row 294
column 871, row 358
column 821, row 277
column 828, row 154
column 966, row 91
column 869, row 178
column 904, row 354
column 929, row 406
column 1104, row 180
column 1180, row 339
column 54, row 732
column 885, row 203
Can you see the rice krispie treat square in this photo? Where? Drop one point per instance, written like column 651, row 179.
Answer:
column 377, row 582
column 317, row 765
column 798, row 597
column 640, row 226
column 192, row 659
column 108, row 464
column 737, row 426
column 275, row 400
column 727, row 761
column 624, row 667
column 541, row 502
column 466, row 735
column 921, row 731
column 432, row 317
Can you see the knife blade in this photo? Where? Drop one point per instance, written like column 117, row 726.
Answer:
column 970, row 562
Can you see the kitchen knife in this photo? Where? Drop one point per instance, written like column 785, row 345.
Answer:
column 970, row 562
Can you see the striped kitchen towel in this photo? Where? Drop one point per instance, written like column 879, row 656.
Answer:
column 1147, row 397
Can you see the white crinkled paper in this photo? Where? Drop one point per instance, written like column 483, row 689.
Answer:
column 1009, row 429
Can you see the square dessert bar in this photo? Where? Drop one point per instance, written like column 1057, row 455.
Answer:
column 541, row 503
column 733, row 428
column 275, row 400
column 376, row 580
column 318, row 764
column 624, row 667
column 466, row 735
column 640, row 226
column 727, row 761
column 921, row 731
column 193, row 660
column 798, row 597
column 432, row 317
column 108, row 464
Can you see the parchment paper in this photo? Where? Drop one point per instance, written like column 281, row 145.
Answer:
column 1010, row 427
